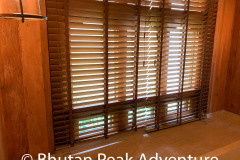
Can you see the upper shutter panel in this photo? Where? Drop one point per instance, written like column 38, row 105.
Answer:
column 122, row 27
column 150, row 36
column 86, row 34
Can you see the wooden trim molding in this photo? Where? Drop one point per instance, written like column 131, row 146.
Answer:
column 222, row 49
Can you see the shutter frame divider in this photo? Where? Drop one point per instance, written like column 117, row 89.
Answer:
column 184, row 61
column 160, row 67
column 106, row 10
column 69, row 90
column 136, row 67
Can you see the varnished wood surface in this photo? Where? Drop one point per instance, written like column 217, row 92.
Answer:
column 25, row 105
column 225, row 80
column 232, row 99
column 222, row 49
column 12, row 100
column 25, row 98
column 36, row 88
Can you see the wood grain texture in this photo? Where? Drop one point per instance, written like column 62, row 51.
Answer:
column 47, row 85
column 12, row 109
column 225, row 80
column 222, row 49
column 34, row 86
column 2, row 143
column 25, row 94
column 2, row 139
column 232, row 99
column 46, row 77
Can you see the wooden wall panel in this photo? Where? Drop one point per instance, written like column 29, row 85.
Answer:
column 225, row 80
column 222, row 49
column 25, row 94
column 12, row 109
column 232, row 99
column 36, row 95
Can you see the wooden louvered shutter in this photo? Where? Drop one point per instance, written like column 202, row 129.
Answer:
column 59, row 62
column 87, row 48
column 181, row 61
column 124, row 64
column 149, row 61
column 123, row 32
column 208, row 38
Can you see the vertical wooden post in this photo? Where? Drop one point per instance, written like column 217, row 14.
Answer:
column 160, row 66
column 136, row 67
column 106, row 69
column 205, row 35
column 184, row 60
column 69, row 88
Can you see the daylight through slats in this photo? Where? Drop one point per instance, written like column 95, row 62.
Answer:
column 119, row 65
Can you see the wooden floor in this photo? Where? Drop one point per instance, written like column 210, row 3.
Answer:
column 218, row 135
